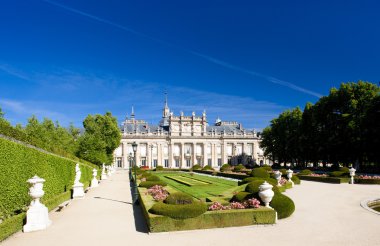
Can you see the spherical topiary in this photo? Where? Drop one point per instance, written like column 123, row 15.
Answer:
column 179, row 211
column 197, row 167
column 239, row 167
column 240, row 196
column 253, row 187
column 306, row 172
column 179, row 198
column 344, row 170
column 283, row 171
column 260, row 173
column 145, row 174
column 296, row 180
column 159, row 168
column 148, row 184
column 267, row 167
column 152, row 178
column 283, row 205
column 207, row 168
column 226, row 167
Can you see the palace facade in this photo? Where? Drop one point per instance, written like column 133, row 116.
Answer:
column 183, row 141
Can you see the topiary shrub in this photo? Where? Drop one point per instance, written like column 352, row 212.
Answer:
column 241, row 196
column 267, row 167
column 179, row 198
column 344, row 170
column 145, row 174
column 253, row 187
column 197, row 167
column 338, row 174
column 159, row 168
column 306, row 172
column 283, row 205
column 226, row 168
column 207, row 168
column 239, row 167
column 283, row 171
column 179, row 212
column 148, row 184
column 260, row 173
column 296, row 180
column 152, row 178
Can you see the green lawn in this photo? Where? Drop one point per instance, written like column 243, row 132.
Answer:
column 199, row 186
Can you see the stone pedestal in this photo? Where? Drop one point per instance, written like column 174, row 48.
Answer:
column 94, row 181
column 37, row 216
column 78, row 191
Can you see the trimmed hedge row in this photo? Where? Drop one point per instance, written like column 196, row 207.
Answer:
column 221, row 174
column 148, row 184
column 179, row 212
column 210, row 219
column 332, row 180
column 18, row 163
column 366, row 181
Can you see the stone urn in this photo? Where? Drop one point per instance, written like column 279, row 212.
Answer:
column 94, row 181
column 37, row 216
column 104, row 175
column 352, row 174
column 277, row 176
column 266, row 193
column 78, row 191
column 290, row 175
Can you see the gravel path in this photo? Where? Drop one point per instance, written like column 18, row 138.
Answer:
column 326, row 214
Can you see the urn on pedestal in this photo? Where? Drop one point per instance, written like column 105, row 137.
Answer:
column 266, row 193
column 290, row 175
column 94, row 181
column 352, row 174
column 277, row 176
column 37, row 216
column 104, row 175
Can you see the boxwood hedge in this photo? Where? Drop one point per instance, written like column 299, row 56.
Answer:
column 260, row 172
column 18, row 163
column 179, row 212
column 148, row 184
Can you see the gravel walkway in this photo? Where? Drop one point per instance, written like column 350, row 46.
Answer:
column 326, row 214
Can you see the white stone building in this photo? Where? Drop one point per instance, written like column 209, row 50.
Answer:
column 183, row 141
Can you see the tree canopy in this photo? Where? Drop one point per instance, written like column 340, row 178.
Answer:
column 340, row 128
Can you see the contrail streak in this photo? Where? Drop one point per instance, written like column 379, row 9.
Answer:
column 203, row 56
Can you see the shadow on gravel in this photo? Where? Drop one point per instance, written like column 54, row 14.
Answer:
column 103, row 198
column 140, row 223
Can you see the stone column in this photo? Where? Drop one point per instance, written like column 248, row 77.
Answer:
column 160, row 161
column 125, row 153
column 182, row 164
column 205, row 154
column 170, row 155
column 194, row 155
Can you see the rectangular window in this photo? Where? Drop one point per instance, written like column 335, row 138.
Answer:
column 219, row 162
column 154, row 163
column 166, row 163
column 176, row 162
column 119, row 162
column 229, row 160
column 188, row 162
column 209, row 162
column 143, row 162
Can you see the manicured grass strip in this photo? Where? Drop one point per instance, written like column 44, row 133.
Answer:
column 179, row 180
column 198, row 191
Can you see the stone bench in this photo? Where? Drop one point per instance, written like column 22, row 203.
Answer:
column 63, row 205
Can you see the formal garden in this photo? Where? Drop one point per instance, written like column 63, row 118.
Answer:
column 175, row 200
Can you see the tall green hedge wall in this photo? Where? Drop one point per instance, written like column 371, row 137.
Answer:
column 18, row 163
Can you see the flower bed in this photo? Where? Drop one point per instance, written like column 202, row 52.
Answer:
column 365, row 179
column 210, row 219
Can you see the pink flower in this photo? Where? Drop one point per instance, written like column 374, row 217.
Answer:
column 252, row 203
column 158, row 193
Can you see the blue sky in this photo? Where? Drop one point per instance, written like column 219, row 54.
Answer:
column 241, row 60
